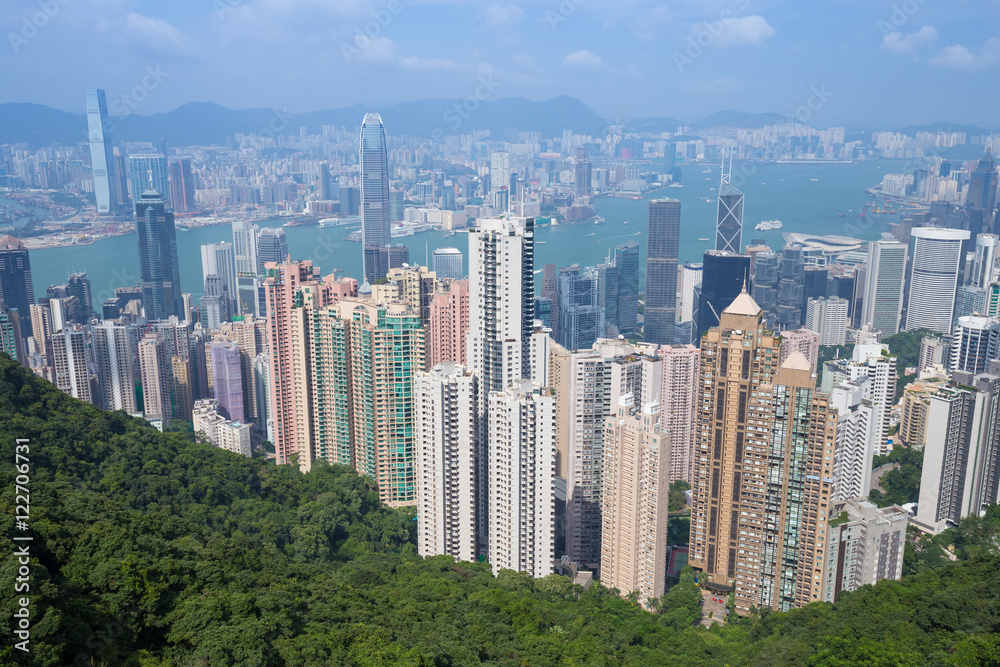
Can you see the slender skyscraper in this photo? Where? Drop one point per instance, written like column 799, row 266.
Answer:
column 158, row 264
column 116, row 356
column 661, row 271
column 375, row 225
column 227, row 379
column 723, row 276
column 982, row 198
column 937, row 260
column 102, row 157
column 182, row 186
column 729, row 225
column 218, row 259
column 986, row 257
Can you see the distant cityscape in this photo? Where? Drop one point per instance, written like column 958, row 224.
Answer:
column 538, row 417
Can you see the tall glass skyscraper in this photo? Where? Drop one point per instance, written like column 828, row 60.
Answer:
column 724, row 277
column 158, row 266
column 729, row 225
column 661, row 271
column 375, row 227
column 271, row 247
column 16, row 289
column 102, row 157
column 934, row 271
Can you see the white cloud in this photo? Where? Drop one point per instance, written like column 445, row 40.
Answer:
column 903, row 44
column 154, row 34
column 747, row 30
column 500, row 17
column 959, row 57
column 378, row 50
column 583, row 60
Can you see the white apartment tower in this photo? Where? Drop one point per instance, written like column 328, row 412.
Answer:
column 522, row 454
column 446, row 399
column 679, row 401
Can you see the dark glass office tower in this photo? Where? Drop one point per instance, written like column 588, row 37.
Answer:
column 375, row 225
column 626, row 259
column 16, row 288
column 982, row 199
column 729, row 223
column 271, row 247
column 661, row 271
column 158, row 266
column 78, row 285
column 722, row 280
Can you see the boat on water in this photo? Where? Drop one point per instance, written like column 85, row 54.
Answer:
column 183, row 229
column 675, row 185
column 599, row 221
column 625, row 223
column 706, row 171
column 704, row 239
column 769, row 225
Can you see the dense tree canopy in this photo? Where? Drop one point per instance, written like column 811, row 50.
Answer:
column 153, row 550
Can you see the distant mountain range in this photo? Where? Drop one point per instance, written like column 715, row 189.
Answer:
column 207, row 123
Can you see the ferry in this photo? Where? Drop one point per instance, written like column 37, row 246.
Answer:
column 625, row 223
column 703, row 239
column 769, row 226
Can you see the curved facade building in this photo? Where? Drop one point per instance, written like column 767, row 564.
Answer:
column 937, row 261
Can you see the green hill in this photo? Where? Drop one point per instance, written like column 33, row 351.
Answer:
column 150, row 550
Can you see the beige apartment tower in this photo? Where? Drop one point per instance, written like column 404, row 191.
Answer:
column 764, row 467
column 635, row 502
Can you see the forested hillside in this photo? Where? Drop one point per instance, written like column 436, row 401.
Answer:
column 150, row 550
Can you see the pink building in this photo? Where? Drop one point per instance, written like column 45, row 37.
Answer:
column 287, row 344
column 449, row 324
column 678, row 399
column 804, row 341
column 342, row 288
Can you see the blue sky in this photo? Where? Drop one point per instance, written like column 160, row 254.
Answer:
column 884, row 64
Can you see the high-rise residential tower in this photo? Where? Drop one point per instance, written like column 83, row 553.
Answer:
column 764, row 471
column 986, row 257
column 679, row 402
column 157, row 380
column 522, row 453
column 115, row 354
column 938, row 255
column 635, row 502
column 660, row 312
column 102, row 155
column 374, row 160
column 159, row 269
column 446, row 399
column 227, row 379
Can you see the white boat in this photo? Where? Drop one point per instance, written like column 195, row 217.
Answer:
column 768, row 225
column 625, row 223
column 675, row 185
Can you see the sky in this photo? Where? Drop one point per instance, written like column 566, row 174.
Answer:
column 859, row 63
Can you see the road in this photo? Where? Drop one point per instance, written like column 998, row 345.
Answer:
column 878, row 472
column 710, row 605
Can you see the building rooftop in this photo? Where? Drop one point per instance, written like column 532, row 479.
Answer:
column 743, row 305
column 797, row 361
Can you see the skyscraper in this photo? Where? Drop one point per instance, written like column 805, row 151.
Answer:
column 69, row 352
column 976, row 341
column 626, row 260
column 446, row 401
column 660, row 312
column 227, row 379
column 581, row 320
column 116, row 356
column 679, row 401
column 522, row 455
column 272, row 246
column 724, row 275
column 636, row 491
column 501, row 317
column 828, row 318
column 449, row 325
column 583, row 173
column 158, row 264
column 102, row 156
column 763, row 475
column 375, row 223
column 157, row 380
column 149, row 171
column 16, row 289
column 323, row 182
column 938, row 255
column 499, row 171
column 219, row 259
column 986, row 257
column 885, row 275
column 982, row 197
column 11, row 341
column 245, row 240
column 857, row 433
column 729, row 222
column 182, row 187
column 78, row 285
column 864, row 545
column 448, row 263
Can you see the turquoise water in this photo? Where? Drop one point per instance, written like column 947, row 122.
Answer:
column 775, row 191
